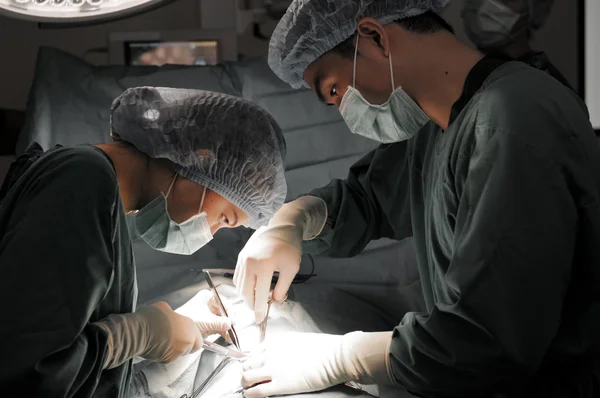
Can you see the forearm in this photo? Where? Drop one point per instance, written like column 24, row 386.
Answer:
column 129, row 336
column 307, row 212
column 123, row 342
column 366, row 357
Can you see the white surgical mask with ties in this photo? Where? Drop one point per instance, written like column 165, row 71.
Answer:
column 161, row 233
column 398, row 119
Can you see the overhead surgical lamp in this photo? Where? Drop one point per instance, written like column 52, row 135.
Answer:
column 75, row 11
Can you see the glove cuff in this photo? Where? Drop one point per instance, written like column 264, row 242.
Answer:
column 128, row 337
column 313, row 213
column 367, row 357
column 307, row 213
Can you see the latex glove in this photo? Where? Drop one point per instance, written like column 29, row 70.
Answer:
column 155, row 333
column 304, row 362
column 204, row 310
column 277, row 247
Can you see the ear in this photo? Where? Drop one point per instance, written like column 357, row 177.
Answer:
column 378, row 39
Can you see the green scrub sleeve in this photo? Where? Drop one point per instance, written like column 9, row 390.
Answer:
column 500, row 302
column 56, row 256
column 359, row 206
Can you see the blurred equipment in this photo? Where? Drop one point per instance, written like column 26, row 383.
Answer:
column 194, row 47
column 71, row 11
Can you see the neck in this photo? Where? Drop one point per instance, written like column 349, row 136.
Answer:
column 437, row 75
column 131, row 167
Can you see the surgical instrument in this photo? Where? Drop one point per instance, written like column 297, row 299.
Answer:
column 263, row 324
column 231, row 332
column 198, row 391
column 219, row 349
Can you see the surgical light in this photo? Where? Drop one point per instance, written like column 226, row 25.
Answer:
column 68, row 11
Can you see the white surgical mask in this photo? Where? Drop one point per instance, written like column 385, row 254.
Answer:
column 398, row 119
column 491, row 23
column 161, row 233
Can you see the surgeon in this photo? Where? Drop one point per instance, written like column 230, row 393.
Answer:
column 505, row 28
column 491, row 166
column 185, row 164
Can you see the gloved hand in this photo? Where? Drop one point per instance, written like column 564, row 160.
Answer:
column 277, row 247
column 304, row 362
column 204, row 310
column 155, row 333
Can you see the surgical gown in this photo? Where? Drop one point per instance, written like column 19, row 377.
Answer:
column 66, row 261
column 504, row 209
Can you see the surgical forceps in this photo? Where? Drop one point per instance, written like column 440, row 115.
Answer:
column 219, row 349
column 198, row 391
column 231, row 332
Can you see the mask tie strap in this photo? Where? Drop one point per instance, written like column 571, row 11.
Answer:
column 392, row 72
column 171, row 186
column 355, row 54
column 202, row 200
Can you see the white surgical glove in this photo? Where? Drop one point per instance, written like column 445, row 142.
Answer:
column 155, row 333
column 203, row 309
column 297, row 363
column 277, row 247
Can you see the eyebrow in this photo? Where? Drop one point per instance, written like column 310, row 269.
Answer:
column 317, row 85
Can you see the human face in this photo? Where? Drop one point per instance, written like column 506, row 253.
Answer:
column 184, row 202
column 331, row 74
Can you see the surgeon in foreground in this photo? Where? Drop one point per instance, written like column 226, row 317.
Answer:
column 186, row 163
column 494, row 169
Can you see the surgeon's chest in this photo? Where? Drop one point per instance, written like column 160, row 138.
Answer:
column 435, row 197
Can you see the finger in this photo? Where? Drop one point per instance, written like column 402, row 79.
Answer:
column 262, row 390
column 227, row 305
column 286, row 277
column 214, row 307
column 226, row 337
column 254, row 362
column 261, row 296
column 162, row 306
column 255, row 376
column 248, row 285
column 198, row 340
column 239, row 270
column 215, row 325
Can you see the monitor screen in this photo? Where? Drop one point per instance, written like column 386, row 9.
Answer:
column 181, row 53
column 592, row 60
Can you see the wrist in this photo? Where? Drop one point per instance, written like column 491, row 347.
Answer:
column 306, row 214
column 125, row 338
column 366, row 357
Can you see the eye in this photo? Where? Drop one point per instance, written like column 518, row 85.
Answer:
column 225, row 221
column 333, row 91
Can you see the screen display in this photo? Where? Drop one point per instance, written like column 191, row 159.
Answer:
column 180, row 53
column 592, row 60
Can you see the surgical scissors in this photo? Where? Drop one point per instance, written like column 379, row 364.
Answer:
column 231, row 332
column 263, row 324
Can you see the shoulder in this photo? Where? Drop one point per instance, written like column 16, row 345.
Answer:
column 81, row 172
column 522, row 105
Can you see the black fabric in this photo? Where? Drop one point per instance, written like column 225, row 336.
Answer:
column 20, row 166
column 66, row 261
column 474, row 81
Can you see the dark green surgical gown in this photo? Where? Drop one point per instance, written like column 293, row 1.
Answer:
column 66, row 261
column 504, row 208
